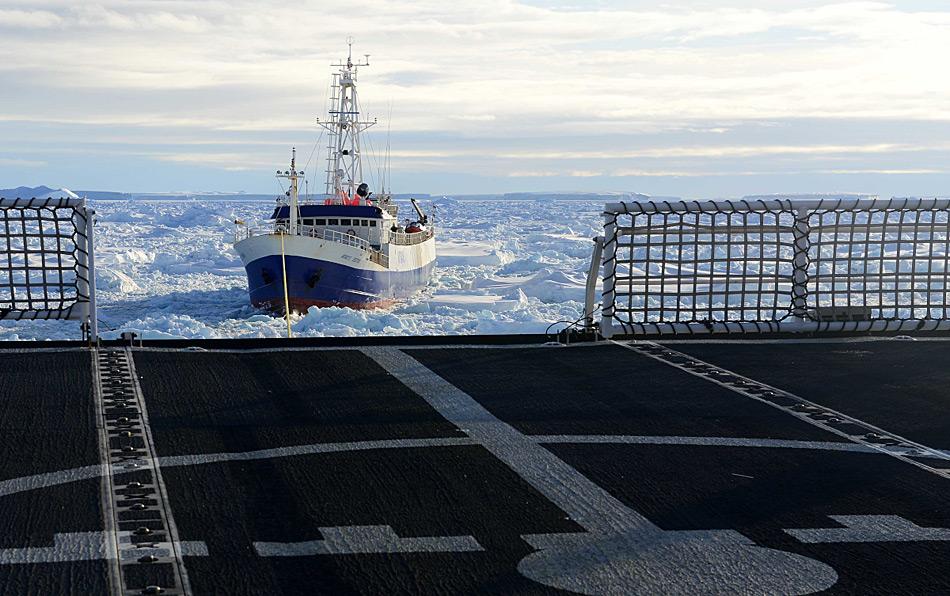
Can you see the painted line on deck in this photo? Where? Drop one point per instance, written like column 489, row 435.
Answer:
column 621, row 551
column 584, row 501
column 870, row 528
column 312, row 449
column 85, row 546
column 367, row 540
column 22, row 484
column 703, row 442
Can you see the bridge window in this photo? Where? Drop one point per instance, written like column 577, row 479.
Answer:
column 344, row 222
column 372, row 223
column 320, row 222
column 333, row 222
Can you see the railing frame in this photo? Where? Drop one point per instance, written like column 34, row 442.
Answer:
column 84, row 307
column 800, row 319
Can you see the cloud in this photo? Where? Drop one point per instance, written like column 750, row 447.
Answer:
column 21, row 163
column 29, row 19
column 715, row 151
column 548, row 173
column 475, row 117
column 225, row 161
column 476, row 85
column 886, row 172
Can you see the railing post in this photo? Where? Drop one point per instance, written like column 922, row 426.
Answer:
column 86, row 259
column 800, row 265
column 592, row 276
column 609, row 255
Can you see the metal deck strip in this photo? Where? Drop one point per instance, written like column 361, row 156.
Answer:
column 107, row 489
column 839, row 423
column 137, row 517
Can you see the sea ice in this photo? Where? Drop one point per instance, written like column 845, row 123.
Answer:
column 167, row 269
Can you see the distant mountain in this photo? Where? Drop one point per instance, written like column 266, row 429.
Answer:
column 104, row 195
column 606, row 197
column 45, row 192
column 39, row 192
column 26, row 192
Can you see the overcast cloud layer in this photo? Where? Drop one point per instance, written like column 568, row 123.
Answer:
column 690, row 98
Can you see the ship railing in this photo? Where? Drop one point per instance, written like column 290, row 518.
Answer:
column 375, row 256
column 409, row 239
column 772, row 264
column 335, row 236
column 242, row 231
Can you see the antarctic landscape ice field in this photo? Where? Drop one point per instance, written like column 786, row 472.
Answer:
column 166, row 269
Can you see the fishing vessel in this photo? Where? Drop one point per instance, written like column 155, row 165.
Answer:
column 349, row 247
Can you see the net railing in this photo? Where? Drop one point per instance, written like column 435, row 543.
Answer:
column 772, row 264
column 46, row 260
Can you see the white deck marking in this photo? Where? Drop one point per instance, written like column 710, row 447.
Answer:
column 73, row 546
column 622, row 552
column 22, row 484
column 85, row 546
column 704, row 442
column 13, row 486
column 314, row 448
column 871, row 528
column 353, row 540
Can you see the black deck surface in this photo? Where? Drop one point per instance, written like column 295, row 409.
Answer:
column 905, row 389
column 224, row 402
column 505, row 470
column 605, row 390
column 44, row 401
column 47, row 424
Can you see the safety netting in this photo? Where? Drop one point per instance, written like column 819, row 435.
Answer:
column 774, row 264
column 44, row 259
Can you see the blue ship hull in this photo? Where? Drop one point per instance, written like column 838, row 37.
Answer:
column 315, row 282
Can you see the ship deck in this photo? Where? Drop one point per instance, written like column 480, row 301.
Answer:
column 384, row 467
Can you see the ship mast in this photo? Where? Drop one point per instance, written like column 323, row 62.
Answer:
column 293, row 175
column 344, row 169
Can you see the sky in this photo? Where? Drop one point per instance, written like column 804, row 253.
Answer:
column 690, row 98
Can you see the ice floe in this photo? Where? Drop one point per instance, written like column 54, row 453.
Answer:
column 167, row 269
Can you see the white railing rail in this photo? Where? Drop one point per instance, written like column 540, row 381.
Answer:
column 409, row 239
column 335, row 236
column 775, row 263
column 243, row 231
